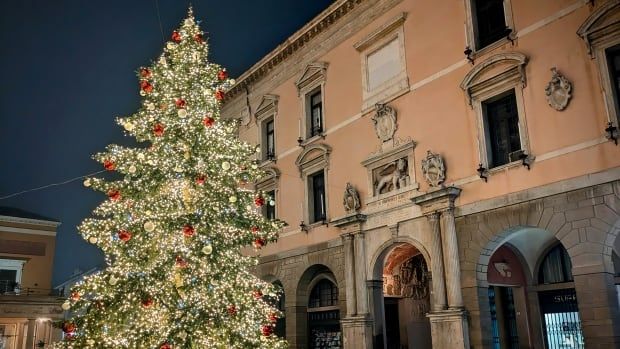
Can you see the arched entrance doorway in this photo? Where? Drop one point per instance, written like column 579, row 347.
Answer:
column 531, row 296
column 401, row 304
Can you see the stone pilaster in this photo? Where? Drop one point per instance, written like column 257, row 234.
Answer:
column 449, row 329
column 349, row 274
column 357, row 332
column 439, row 283
column 451, row 260
column 360, row 274
column 32, row 323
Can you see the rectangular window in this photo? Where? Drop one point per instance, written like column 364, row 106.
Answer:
column 383, row 64
column 316, row 113
column 269, row 209
column 501, row 119
column 613, row 62
column 489, row 21
column 270, row 140
column 317, row 196
column 8, row 280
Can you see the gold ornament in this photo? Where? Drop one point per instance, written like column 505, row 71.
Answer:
column 112, row 280
column 132, row 169
column 93, row 239
column 226, row 165
column 207, row 249
column 232, row 199
column 128, row 126
column 66, row 305
column 182, row 113
column 149, row 226
column 150, row 106
column 87, row 182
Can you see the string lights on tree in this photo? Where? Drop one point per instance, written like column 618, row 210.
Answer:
column 174, row 222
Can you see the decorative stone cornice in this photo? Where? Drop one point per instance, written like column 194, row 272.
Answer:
column 349, row 219
column 602, row 23
column 296, row 41
column 437, row 200
column 29, row 221
column 268, row 106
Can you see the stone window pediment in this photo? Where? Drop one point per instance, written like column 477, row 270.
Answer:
column 268, row 106
column 313, row 74
column 601, row 26
column 493, row 73
column 270, row 180
column 313, row 157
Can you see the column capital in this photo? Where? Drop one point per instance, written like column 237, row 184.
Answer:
column 437, row 200
column 351, row 223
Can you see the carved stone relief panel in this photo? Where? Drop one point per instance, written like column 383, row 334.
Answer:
column 558, row 91
column 391, row 176
column 390, row 170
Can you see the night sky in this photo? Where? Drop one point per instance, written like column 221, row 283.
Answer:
column 67, row 69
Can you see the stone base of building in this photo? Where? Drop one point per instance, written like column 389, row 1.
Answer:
column 357, row 332
column 449, row 329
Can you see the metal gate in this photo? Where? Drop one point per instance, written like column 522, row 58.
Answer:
column 560, row 315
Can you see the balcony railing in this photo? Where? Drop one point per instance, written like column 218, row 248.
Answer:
column 11, row 288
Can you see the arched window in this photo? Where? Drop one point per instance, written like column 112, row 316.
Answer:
column 324, row 294
column 556, row 267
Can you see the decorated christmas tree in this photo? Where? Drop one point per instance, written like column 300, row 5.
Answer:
column 176, row 218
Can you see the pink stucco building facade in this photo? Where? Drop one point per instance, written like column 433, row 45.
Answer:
column 448, row 171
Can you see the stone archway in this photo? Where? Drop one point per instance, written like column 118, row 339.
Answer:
column 400, row 295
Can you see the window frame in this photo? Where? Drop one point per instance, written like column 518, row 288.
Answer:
column 313, row 159
column 471, row 32
column 487, row 130
column 479, row 87
column 16, row 265
column 268, row 207
column 269, row 183
column 395, row 86
column 311, row 81
column 311, row 106
column 312, row 197
column 266, row 112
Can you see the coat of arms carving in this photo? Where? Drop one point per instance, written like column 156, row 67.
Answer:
column 558, row 90
column 385, row 122
column 351, row 200
column 433, row 169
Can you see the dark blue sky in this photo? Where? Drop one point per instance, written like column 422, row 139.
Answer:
column 67, row 69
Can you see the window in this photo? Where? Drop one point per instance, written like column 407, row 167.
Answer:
column 613, row 62
column 270, row 141
column 311, row 87
column 324, row 294
column 384, row 72
column 316, row 182
column 490, row 21
column 269, row 210
column 315, row 113
column 556, row 267
column 494, row 89
column 502, row 125
column 265, row 117
column 10, row 274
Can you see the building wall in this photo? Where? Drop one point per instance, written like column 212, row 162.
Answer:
column 37, row 272
column 571, row 190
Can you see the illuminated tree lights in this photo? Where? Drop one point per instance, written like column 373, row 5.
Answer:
column 173, row 225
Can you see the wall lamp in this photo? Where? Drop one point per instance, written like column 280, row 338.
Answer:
column 468, row 51
column 508, row 33
column 525, row 160
column 612, row 133
column 482, row 172
column 303, row 227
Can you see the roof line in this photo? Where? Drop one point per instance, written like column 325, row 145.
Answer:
column 294, row 42
column 29, row 221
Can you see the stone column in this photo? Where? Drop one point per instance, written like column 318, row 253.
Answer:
column 349, row 274
column 360, row 274
column 32, row 323
column 451, row 260
column 439, row 284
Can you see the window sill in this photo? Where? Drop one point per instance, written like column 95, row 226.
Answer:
column 312, row 139
column 316, row 224
column 510, row 165
column 267, row 162
column 491, row 47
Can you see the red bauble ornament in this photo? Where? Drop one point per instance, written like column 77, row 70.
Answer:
column 114, row 194
column 176, row 37
column 146, row 86
column 222, row 75
column 198, row 38
column 200, row 180
column 180, row 262
column 75, row 296
column 259, row 201
column 208, row 121
column 273, row 317
column 267, row 330
column 257, row 294
column 255, row 229
column 219, row 95
column 188, row 230
column 179, row 102
column 124, row 235
column 147, row 302
column 258, row 243
column 145, row 73
column 165, row 345
column 232, row 310
column 109, row 165
column 158, row 130
column 68, row 327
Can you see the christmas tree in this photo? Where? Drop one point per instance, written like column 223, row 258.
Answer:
column 177, row 215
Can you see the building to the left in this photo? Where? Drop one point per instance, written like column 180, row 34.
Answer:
column 28, row 304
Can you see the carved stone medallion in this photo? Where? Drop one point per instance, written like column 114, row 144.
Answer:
column 385, row 122
column 558, row 90
column 351, row 200
column 433, row 169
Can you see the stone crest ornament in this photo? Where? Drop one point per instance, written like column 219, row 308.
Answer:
column 433, row 169
column 558, row 90
column 351, row 200
column 385, row 122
